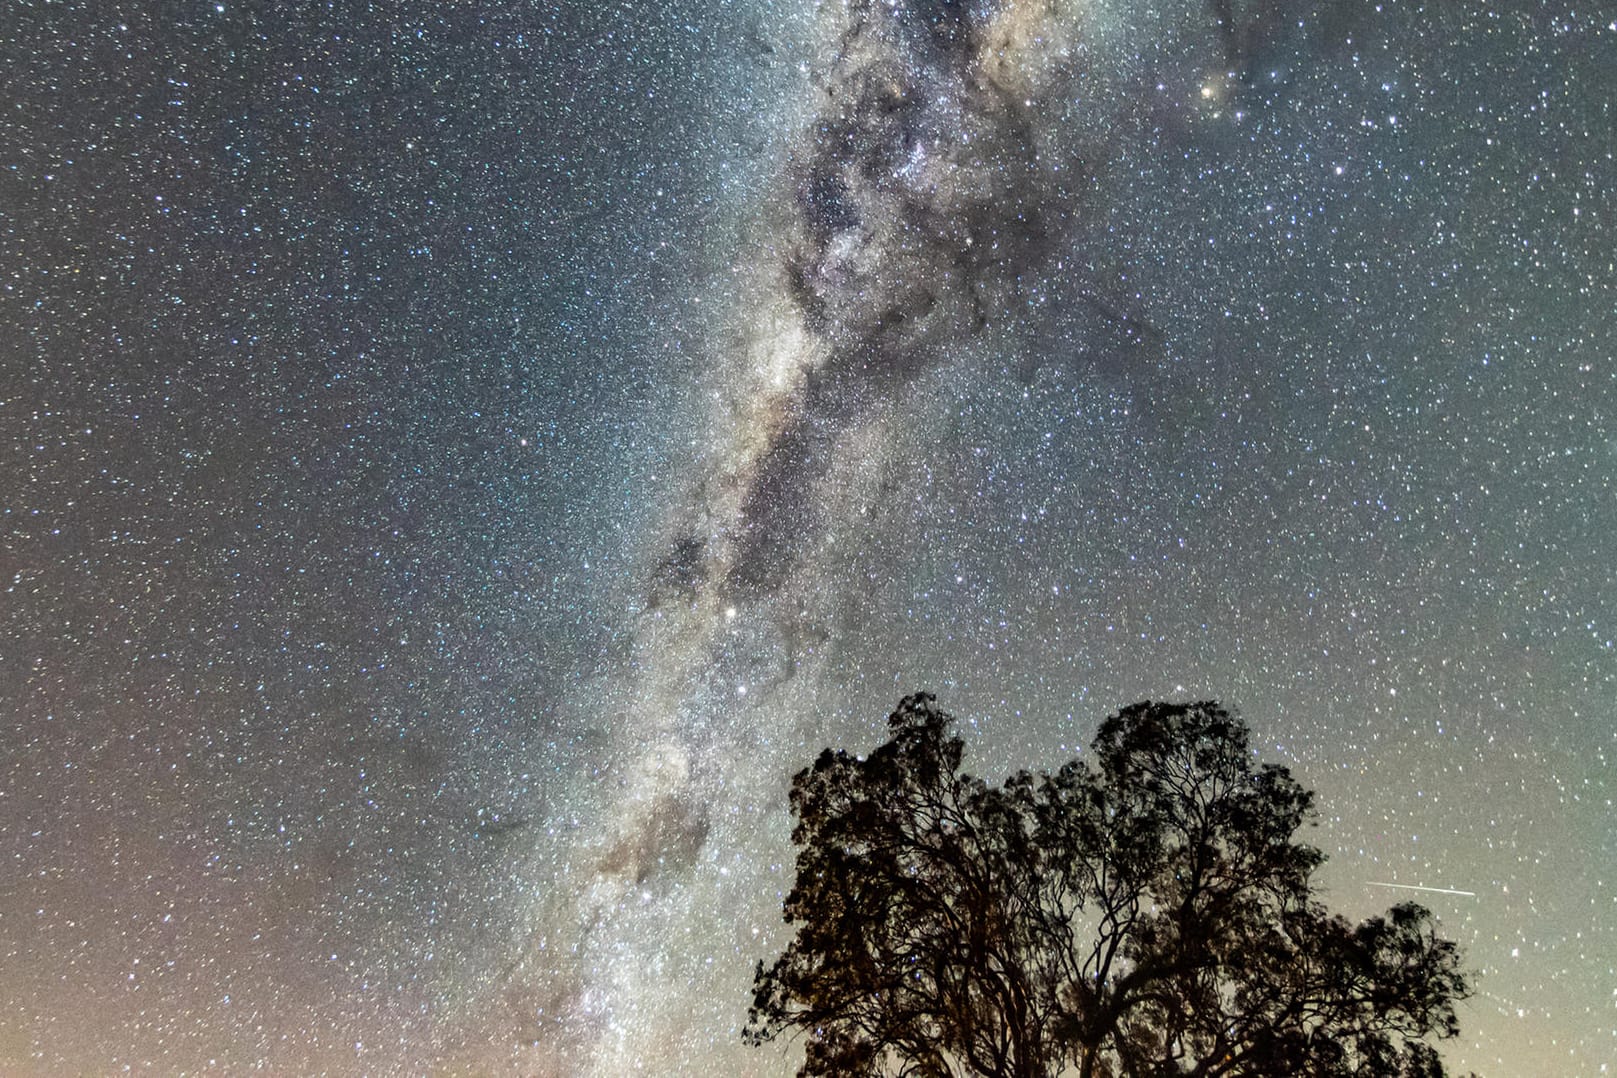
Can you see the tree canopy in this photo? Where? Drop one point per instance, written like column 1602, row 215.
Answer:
column 1144, row 915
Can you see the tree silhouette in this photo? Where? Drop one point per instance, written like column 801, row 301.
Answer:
column 1146, row 915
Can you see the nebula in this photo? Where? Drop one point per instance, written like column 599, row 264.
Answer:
column 919, row 206
column 916, row 213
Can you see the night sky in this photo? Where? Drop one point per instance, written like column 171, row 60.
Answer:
column 458, row 460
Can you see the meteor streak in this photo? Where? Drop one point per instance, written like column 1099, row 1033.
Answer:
column 1415, row 887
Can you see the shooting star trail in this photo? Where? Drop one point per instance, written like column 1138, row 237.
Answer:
column 1429, row 890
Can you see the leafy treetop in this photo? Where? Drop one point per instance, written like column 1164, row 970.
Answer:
column 1144, row 916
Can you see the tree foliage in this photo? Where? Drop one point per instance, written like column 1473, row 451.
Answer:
column 1146, row 914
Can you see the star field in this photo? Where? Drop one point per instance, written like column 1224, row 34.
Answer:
column 457, row 462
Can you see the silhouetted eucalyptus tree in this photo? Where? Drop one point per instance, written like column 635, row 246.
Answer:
column 1149, row 915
